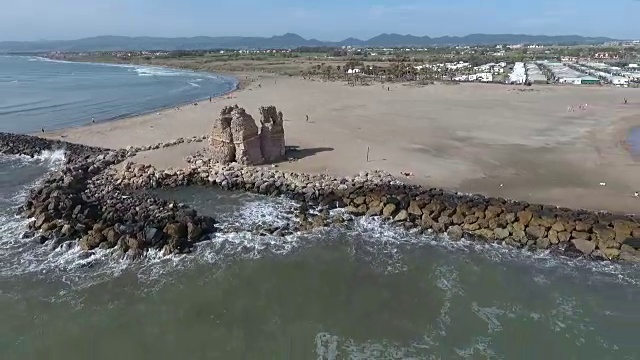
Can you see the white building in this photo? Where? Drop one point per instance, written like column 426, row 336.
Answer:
column 619, row 81
column 518, row 75
column 568, row 80
column 485, row 77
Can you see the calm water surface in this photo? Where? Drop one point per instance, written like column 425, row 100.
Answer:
column 36, row 93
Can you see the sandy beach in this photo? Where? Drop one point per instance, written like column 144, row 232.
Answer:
column 515, row 142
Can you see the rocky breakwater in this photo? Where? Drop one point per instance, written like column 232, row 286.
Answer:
column 566, row 232
column 80, row 202
column 133, row 150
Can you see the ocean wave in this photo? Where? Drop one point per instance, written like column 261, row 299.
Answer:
column 194, row 84
column 160, row 71
column 51, row 159
column 382, row 245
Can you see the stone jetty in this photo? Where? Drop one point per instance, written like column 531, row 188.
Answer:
column 79, row 202
column 98, row 203
column 569, row 232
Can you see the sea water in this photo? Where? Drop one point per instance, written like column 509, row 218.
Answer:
column 368, row 291
column 37, row 93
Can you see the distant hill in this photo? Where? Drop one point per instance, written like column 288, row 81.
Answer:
column 123, row 43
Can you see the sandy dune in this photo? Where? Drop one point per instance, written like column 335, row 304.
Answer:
column 490, row 139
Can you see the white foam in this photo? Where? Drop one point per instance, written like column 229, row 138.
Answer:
column 259, row 213
column 159, row 71
column 194, row 84
column 379, row 232
column 52, row 159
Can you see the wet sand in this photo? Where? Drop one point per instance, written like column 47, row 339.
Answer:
column 489, row 139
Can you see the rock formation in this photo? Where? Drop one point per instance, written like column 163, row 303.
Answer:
column 272, row 134
column 235, row 137
column 245, row 138
column 223, row 150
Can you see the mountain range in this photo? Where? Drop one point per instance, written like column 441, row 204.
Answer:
column 124, row 43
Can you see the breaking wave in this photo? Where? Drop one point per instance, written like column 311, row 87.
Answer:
column 51, row 159
column 382, row 245
column 449, row 270
column 159, row 71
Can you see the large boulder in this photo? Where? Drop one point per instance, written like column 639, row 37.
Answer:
column 246, row 138
column 221, row 144
column 272, row 141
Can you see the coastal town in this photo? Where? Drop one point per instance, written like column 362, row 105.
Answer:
column 615, row 64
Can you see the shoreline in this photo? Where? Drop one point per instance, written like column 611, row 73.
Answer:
column 236, row 81
column 92, row 203
column 469, row 138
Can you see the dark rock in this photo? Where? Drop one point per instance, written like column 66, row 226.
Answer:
column 153, row 236
column 133, row 242
column 632, row 242
column 536, row 232
column 42, row 219
column 629, row 254
column 543, row 243
column 67, row 230
column 41, row 239
column 194, row 232
column 403, row 215
column 389, row 210
column 124, row 229
column 585, row 246
column 91, row 240
column 582, row 226
column 176, row 230
column 455, row 233
column 524, row 217
column 501, row 234
column 48, row 226
column 357, row 211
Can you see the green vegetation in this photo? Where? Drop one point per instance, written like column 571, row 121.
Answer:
column 372, row 64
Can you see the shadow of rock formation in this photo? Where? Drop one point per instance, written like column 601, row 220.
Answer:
column 295, row 152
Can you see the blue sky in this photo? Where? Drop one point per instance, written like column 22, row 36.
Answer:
column 322, row 19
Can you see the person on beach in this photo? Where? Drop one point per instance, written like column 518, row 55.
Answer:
column 625, row 101
column 307, row 118
column 209, row 98
column 42, row 129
